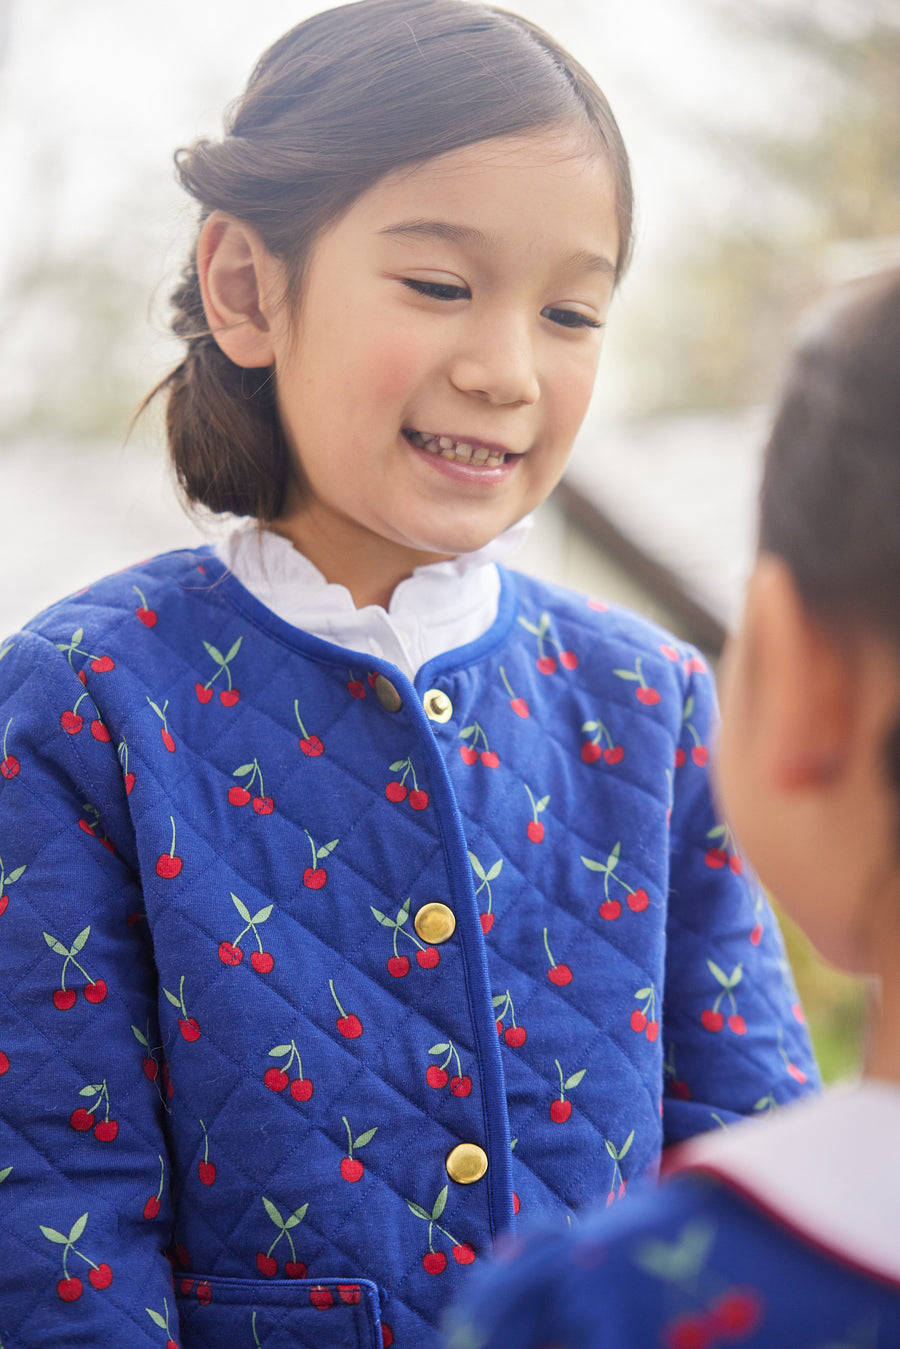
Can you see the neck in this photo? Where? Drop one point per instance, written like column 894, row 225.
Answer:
column 883, row 1056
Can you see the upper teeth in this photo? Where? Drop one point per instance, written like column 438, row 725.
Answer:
column 457, row 450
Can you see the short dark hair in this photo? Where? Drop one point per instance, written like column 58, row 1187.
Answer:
column 338, row 102
column 830, row 499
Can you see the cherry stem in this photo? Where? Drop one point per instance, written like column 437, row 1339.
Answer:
column 299, row 722
column 334, row 995
column 172, row 849
column 162, row 1176
column 506, row 682
column 349, row 1136
column 547, row 949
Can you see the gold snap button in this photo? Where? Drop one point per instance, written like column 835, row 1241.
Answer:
column 438, row 706
column 466, row 1163
column 387, row 695
column 435, row 923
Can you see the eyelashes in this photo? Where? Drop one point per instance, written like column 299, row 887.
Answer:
column 440, row 290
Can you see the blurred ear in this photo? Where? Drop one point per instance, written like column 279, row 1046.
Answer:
column 237, row 280
column 803, row 685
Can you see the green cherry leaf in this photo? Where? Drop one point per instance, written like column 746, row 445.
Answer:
column 466, row 732
column 419, row 1212
column 4, row 1173
column 718, row 974
column 574, row 1079
column 14, row 875
column 611, row 1150
column 176, row 1002
column 395, row 767
column 626, row 674
column 717, row 832
column 241, row 907
column 439, row 1204
column 78, row 636
column 327, row 849
column 279, row 1051
column 688, row 709
column 593, row 866
column 155, row 1318
column 477, row 867
column 442, row 1049
column 737, row 975
column 243, row 770
column 273, row 1213
column 544, row 624
column 297, row 1216
column 365, row 1138
column 626, row 1145
column 233, row 650
column 263, row 914
column 88, row 1091
column 140, row 1037
column 542, row 804
column 55, row 945
column 382, row 918
column 403, row 913
column 214, row 652
column 501, row 997
column 80, row 940
column 77, row 1228
column 52, row 1235
column 495, row 870
column 643, row 992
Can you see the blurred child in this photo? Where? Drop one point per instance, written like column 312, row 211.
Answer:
column 783, row 1232
column 360, row 891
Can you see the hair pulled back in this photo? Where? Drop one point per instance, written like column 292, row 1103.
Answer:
column 335, row 104
column 830, row 500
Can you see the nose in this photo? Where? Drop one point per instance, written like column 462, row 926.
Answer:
column 496, row 361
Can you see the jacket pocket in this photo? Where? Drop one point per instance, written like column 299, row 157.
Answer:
column 223, row 1313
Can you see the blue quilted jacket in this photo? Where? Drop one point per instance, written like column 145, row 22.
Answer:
column 313, row 978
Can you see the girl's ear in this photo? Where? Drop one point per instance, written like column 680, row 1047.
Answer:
column 238, row 278
column 803, row 683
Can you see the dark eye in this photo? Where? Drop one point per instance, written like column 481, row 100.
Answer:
column 437, row 290
column 569, row 318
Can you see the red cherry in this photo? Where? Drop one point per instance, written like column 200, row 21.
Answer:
column 352, row 1169
column 189, row 1028
column 4, row 900
column 103, row 663
column 263, row 805
column 460, row 1086
column 756, row 935
column 321, row 1298
column 387, row 1336
column 294, row 1269
column 796, row 1073
column 302, row 1088
column 70, row 1290
column 568, row 660
column 262, row 961
column 99, row 731
column 204, row 695
column 71, row 722
column 96, row 991
column 266, row 1264
column 428, row 958
column 312, row 746
column 716, row 858
column 688, row 1332
column 228, row 697
column 170, row 1090
column 151, row 1069
column 168, row 740
column 4, row 1063
column 652, row 1030
column 464, row 1254
column 736, row 863
column 680, row 757
column 546, row 664
column 515, row 1036
column 638, row 901
column 395, row 791
column 398, row 966
column 129, row 783
column 171, row 1344
column 82, row 1120
column 9, row 768
column 437, row 1077
column 207, row 1172
column 736, row 1314
column 517, row 1203
column 204, row 1294
column 418, row 799
column 737, row 1024
column 560, row 1111
column 181, row 1255
column 101, row 1277
column 82, row 676
column 168, row 866
column 610, row 910
column 590, row 752
column 147, row 616
column 275, row 1079
column 797, row 1012
column 649, row 697
column 356, row 688
column 315, row 877
column 559, row 975
column 614, row 754
column 350, row 1027
column 468, row 754
column 152, row 1207
column 351, row 1293
column 64, row 998
column 669, row 652
column 435, row 1262
column 711, row 1020
column 681, row 1091
column 106, row 1130
column 238, row 796
column 535, row 831
column 490, row 759
column 638, row 1021
column 487, row 922
column 520, row 707
column 700, row 755
column 230, row 955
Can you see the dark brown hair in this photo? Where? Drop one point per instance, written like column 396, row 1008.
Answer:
column 830, row 501
column 342, row 99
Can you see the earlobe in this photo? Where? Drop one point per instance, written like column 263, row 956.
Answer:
column 236, row 274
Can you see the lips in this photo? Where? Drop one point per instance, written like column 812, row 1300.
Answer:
column 475, row 453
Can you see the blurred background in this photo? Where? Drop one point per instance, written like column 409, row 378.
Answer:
column 765, row 137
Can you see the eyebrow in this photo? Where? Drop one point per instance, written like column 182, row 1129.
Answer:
column 469, row 234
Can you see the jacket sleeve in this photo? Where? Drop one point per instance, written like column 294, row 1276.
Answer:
column 83, row 1166
column 734, row 1039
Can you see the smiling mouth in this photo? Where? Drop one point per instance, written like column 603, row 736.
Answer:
column 458, row 451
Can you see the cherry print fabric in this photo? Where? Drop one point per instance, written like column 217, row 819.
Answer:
column 226, row 1052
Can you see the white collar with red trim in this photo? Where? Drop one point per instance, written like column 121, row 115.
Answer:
column 828, row 1167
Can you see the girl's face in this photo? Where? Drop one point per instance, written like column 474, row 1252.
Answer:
column 445, row 350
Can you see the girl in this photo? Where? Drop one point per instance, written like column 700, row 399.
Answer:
column 345, row 873
column 785, row 1233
